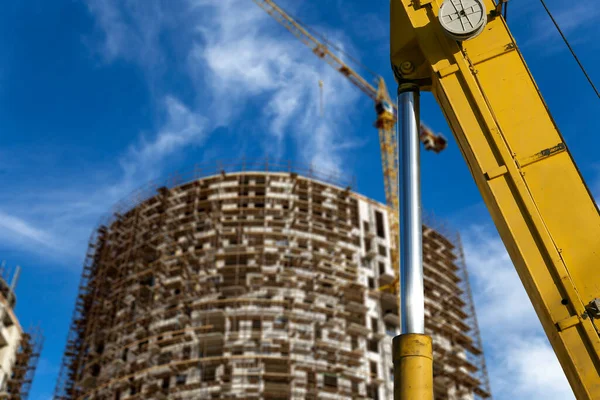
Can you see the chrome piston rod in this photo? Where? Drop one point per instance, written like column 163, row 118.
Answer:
column 411, row 242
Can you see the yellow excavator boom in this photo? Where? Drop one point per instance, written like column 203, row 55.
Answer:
column 464, row 53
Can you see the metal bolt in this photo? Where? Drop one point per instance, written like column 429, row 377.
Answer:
column 407, row 67
column 593, row 309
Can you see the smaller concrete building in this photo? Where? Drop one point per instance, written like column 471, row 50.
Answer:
column 19, row 350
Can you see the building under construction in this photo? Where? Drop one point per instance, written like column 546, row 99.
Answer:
column 257, row 284
column 19, row 349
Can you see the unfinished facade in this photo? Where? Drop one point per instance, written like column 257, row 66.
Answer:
column 254, row 285
column 19, row 350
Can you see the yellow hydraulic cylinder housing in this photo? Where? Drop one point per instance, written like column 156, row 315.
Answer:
column 464, row 53
column 413, row 367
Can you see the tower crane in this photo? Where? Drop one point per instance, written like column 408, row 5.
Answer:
column 385, row 109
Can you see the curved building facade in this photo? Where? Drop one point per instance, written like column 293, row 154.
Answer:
column 252, row 285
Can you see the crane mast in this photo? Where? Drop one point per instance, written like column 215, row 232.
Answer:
column 464, row 53
column 385, row 123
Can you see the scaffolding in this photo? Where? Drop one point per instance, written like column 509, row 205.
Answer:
column 477, row 357
column 258, row 283
column 19, row 350
column 23, row 371
column 461, row 292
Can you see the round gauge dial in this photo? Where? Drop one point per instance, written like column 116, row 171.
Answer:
column 463, row 19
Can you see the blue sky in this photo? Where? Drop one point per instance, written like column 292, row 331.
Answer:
column 98, row 97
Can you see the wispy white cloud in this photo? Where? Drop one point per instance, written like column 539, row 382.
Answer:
column 247, row 55
column 144, row 161
column 61, row 219
column 19, row 231
column 240, row 58
column 493, row 272
column 520, row 360
column 573, row 19
column 183, row 127
column 537, row 372
column 135, row 39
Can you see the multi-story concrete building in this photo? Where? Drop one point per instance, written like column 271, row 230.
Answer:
column 19, row 350
column 254, row 285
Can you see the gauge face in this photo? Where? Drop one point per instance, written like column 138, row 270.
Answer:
column 463, row 19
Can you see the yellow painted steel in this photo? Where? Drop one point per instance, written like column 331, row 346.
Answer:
column 538, row 200
column 413, row 367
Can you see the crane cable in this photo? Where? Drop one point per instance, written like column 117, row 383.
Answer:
column 570, row 48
